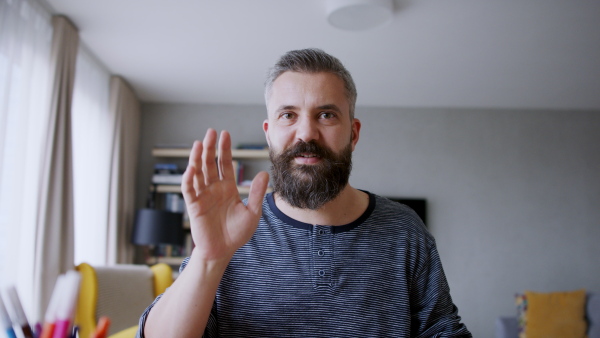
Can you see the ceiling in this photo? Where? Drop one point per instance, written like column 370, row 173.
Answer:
column 539, row 54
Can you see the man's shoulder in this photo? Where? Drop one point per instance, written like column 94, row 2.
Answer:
column 396, row 214
column 394, row 208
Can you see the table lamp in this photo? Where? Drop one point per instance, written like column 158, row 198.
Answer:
column 154, row 227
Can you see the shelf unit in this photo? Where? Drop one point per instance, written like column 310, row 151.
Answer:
column 167, row 188
column 184, row 153
column 236, row 154
column 256, row 154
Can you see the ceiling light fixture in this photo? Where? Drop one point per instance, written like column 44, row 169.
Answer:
column 359, row 14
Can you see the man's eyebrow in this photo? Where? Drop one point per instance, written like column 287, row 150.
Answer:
column 288, row 107
column 329, row 107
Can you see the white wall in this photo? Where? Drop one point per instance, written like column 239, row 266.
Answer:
column 513, row 196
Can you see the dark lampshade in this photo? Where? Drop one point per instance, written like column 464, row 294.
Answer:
column 153, row 227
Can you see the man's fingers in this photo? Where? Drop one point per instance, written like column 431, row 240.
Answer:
column 257, row 192
column 225, row 159
column 195, row 161
column 187, row 185
column 196, row 155
column 209, row 165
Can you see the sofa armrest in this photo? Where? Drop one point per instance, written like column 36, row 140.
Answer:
column 507, row 327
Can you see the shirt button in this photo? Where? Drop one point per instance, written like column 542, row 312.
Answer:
column 322, row 273
column 321, row 253
column 321, row 232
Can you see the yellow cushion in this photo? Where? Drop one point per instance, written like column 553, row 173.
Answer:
column 556, row 314
column 127, row 333
column 163, row 277
column 85, row 315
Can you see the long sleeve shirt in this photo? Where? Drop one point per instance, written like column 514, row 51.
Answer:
column 379, row 276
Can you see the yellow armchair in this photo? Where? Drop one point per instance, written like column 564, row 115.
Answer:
column 121, row 293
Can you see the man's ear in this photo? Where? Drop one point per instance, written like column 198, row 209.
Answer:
column 266, row 130
column 355, row 132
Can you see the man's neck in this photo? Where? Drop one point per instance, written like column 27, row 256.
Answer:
column 348, row 206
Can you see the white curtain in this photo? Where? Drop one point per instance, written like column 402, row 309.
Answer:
column 106, row 122
column 92, row 140
column 126, row 111
column 25, row 44
column 54, row 230
column 52, row 177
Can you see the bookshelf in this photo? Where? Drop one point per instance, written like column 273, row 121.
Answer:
column 180, row 156
column 255, row 154
column 184, row 153
column 172, row 188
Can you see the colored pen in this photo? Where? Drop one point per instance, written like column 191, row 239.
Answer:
column 75, row 332
column 50, row 316
column 66, row 305
column 5, row 320
column 102, row 328
column 20, row 318
column 37, row 330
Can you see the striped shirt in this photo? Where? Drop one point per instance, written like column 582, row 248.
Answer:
column 379, row 276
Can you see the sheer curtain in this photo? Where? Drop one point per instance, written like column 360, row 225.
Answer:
column 40, row 127
column 106, row 122
column 92, row 140
column 126, row 113
column 54, row 231
column 25, row 44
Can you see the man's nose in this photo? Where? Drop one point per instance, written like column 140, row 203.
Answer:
column 307, row 130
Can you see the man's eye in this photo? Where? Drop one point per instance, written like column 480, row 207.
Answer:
column 286, row 116
column 327, row 115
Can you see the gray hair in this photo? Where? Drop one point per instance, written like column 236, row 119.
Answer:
column 312, row 60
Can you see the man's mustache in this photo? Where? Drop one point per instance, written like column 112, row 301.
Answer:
column 302, row 147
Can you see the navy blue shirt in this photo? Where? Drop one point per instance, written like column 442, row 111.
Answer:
column 379, row 276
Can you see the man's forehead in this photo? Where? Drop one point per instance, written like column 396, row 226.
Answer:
column 296, row 88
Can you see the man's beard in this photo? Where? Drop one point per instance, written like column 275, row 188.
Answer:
column 310, row 186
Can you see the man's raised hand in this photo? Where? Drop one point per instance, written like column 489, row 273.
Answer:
column 220, row 222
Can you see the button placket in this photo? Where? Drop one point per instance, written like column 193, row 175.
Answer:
column 322, row 258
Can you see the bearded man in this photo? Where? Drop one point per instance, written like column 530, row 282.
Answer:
column 314, row 258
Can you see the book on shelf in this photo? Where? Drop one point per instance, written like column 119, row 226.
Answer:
column 238, row 170
column 167, row 168
column 174, row 202
column 167, row 173
column 167, row 179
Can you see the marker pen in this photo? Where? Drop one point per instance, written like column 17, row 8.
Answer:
column 102, row 328
column 75, row 333
column 5, row 320
column 50, row 316
column 66, row 305
column 37, row 331
column 20, row 318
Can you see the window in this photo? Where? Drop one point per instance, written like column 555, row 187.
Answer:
column 91, row 126
column 24, row 99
